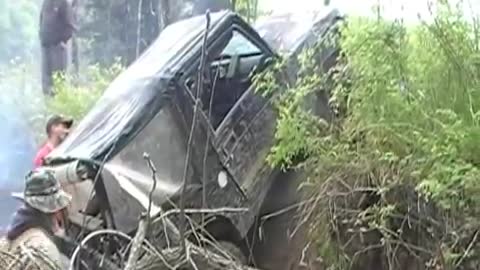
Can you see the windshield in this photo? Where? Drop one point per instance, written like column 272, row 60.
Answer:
column 239, row 45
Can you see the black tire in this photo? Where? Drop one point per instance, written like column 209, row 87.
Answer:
column 275, row 248
column 232, row 250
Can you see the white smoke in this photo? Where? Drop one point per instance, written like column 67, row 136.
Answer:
column 21, row 113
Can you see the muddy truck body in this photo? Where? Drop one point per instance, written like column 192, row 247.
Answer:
column 149, row 108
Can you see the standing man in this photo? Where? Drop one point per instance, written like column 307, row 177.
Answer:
column 37, row 223
column 56, row 29
column 57, row 130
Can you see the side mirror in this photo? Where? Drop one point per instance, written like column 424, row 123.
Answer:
column 264, row 62
column 268, row 61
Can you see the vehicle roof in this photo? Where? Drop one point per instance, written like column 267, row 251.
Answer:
column 287, row 33
column 137, row 94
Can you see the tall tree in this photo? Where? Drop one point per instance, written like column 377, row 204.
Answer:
column 201, row 6
column 18, row 29
column 56, row 29
column 115, row 28
column 247, row 8
column 74, row 45
column 123, row 28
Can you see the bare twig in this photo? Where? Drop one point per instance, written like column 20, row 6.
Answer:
column 205, row 211
column 27, row 257
column 146, row 156
column 190, row 138
column 201, row 259
column 145, row 220
column 137, row 244
column 207, row 144
column 469, row 248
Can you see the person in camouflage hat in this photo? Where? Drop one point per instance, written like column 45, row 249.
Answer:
column 40, row 218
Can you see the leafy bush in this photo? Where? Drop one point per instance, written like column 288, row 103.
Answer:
column 394, row 177
column 76, row 99
column 22, row 91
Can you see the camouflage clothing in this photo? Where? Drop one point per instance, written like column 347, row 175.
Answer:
column 43, row 192
column 29, row 239
column 32, row 250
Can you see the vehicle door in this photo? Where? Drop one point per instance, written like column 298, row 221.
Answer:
column 239, row 122
column 243, row 121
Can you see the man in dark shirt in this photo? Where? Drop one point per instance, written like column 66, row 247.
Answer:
column 56, row 29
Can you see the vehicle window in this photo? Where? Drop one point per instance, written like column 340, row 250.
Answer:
column 240, row 45
column 227, row 76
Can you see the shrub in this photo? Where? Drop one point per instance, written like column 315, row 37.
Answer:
column 394, row 177
column 76, row 99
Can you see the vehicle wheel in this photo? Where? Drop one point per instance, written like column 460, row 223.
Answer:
column 232, row 250
column 101, row 250
column 271, row 240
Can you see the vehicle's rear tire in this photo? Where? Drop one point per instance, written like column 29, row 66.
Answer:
column 275, row 248
column 233, row 250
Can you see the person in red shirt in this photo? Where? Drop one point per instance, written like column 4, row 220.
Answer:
column 57, row 129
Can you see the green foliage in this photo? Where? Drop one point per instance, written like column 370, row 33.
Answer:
column 414, row 98
column 248, row 9
column 76, row 100
column 20, row 90
column 409, row 104
column 297, row 131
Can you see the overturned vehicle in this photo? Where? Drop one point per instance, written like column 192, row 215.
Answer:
column 185, row 119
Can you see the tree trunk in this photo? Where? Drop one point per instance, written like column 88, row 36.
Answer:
column 164, row 18
column 234, row 5
column 139, row 28
column 202, row 6
column 75, row 50
column 54, row 61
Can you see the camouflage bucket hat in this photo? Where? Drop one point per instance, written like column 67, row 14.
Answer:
column 43, row 192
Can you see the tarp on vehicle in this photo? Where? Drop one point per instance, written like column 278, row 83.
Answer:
column 290, row 32
column 136, row 96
